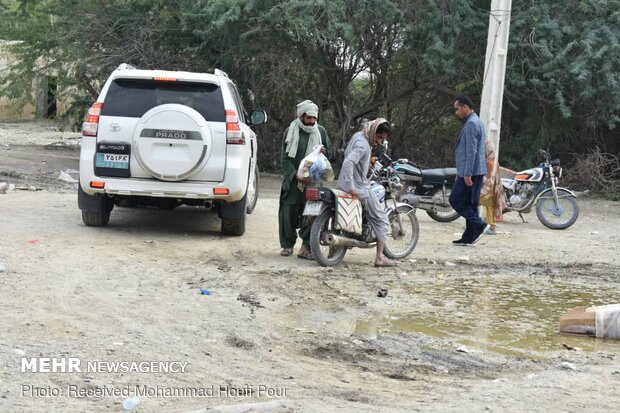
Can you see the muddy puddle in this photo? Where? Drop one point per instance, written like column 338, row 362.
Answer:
column 513, row 316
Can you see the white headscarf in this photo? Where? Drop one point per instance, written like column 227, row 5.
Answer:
column 309, row 108
column 370, row 129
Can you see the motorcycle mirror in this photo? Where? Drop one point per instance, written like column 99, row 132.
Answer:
column 385, row 159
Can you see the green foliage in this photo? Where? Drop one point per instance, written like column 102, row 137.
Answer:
column 563, row 78
column 401, row 59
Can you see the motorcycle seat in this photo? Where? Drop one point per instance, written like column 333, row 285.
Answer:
column 438, row 175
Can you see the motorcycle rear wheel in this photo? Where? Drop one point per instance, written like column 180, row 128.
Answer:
column 401, row 245
column 443, row 216
column 560, row 215
column 324, row 254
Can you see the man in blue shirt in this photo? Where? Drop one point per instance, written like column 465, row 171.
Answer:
column 470, row 168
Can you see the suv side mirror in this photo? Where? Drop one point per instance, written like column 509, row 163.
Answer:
column 258, row 117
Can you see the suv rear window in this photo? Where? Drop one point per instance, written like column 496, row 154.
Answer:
column 134, row 97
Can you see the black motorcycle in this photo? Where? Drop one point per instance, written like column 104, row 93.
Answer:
column 427, row 189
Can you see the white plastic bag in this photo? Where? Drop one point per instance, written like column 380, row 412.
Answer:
column 608, row 321
column 315, row 167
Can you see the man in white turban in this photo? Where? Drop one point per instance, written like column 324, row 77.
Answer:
column 302, row 135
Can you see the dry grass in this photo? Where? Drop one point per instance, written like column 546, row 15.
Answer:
column 598, row 172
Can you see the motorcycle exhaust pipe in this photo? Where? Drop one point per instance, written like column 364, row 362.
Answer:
column 411, row 199
column 437, row 207
column 340, row 241
column 425, row 203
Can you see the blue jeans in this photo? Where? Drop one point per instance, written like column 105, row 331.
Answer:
column 465, row 199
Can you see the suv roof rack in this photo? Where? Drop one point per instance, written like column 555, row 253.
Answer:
column 125, row 66
column 219, row 72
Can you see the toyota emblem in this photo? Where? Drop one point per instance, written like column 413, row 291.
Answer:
column 115, row 127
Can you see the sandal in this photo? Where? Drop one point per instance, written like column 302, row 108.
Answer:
column 306, row 255
column 385, row 263
column 286, row 252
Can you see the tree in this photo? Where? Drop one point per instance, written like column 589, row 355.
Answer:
column 563, row 80
column 401, row 59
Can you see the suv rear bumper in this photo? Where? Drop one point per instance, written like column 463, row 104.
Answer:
column 235, row 180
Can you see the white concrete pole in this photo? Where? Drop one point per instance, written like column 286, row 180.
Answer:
column 495, row 69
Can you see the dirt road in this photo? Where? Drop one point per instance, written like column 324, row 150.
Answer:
column 285, row 329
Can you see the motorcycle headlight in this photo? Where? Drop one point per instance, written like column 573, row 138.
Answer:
column 555, row 165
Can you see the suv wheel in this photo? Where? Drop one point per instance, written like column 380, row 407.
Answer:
column 96, row 218
column 253, row 190
column 95, row 209
column 233, row 217
column 233, row 226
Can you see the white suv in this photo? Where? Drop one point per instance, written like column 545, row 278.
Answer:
column 160, row 138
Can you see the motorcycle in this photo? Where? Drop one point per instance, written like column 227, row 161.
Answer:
column 556, row 207
column 427, row 189
column 340, row 223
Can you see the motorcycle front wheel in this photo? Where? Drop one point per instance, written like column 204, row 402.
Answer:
column 441, row 216
column 400, row 244
column 557, row 215
column 325, row 255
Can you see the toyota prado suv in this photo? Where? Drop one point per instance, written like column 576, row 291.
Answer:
column 163, row 139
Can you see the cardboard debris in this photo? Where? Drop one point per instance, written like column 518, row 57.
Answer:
column 601, row 321
column 578, row 321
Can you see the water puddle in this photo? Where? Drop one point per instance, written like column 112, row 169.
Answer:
column 516, row 316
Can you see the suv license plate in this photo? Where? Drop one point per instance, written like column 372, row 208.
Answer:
column 313, row 208
column 112, row 160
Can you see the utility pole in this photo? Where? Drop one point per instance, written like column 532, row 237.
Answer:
column 495, row 69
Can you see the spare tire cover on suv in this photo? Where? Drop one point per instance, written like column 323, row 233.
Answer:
column 172, row 142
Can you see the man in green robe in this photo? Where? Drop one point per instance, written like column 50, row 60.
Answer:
column 302, row 135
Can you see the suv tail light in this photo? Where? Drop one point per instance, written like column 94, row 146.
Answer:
column 234, row 134
column 313, row 194
column 91, row 120
column 165, row 79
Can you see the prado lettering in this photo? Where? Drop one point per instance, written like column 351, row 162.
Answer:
column 169, row 134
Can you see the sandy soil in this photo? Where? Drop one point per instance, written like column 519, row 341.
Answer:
column 130, row 292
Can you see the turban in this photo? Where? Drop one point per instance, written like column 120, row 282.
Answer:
column 309, row 108
column 292, row 137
